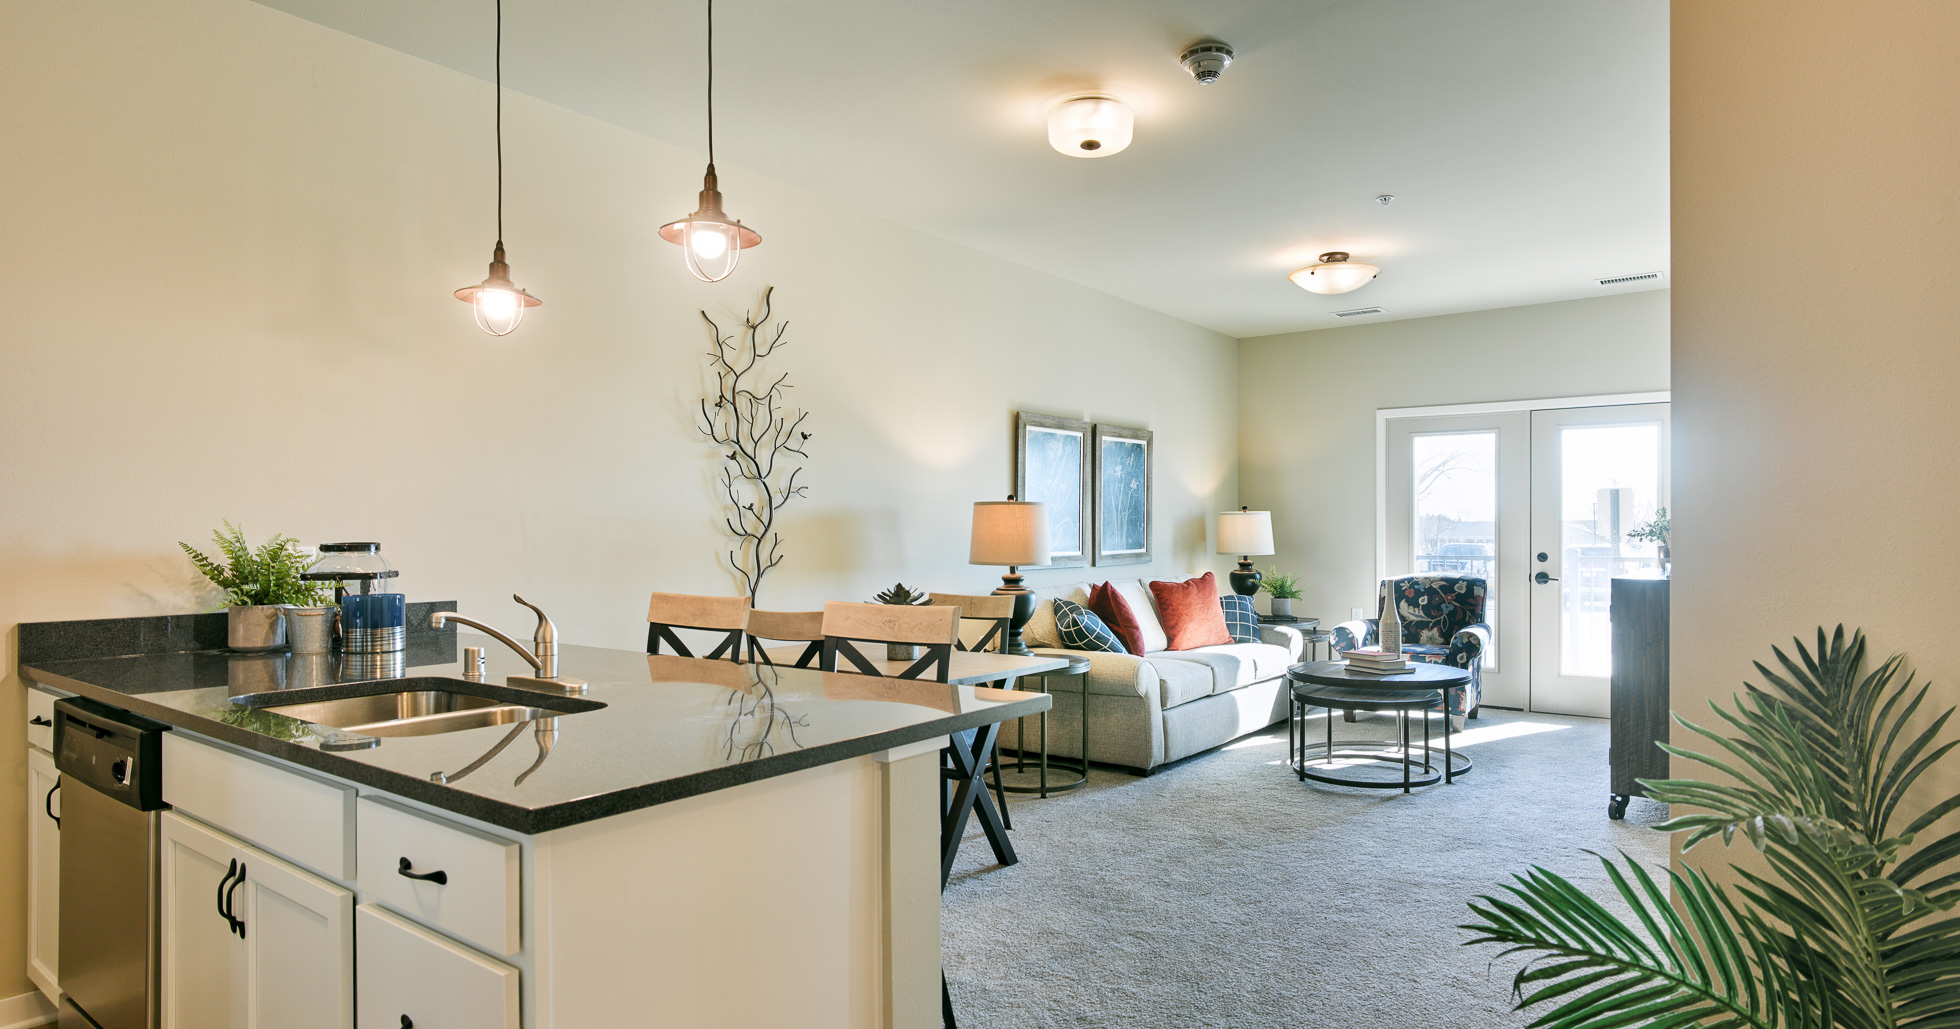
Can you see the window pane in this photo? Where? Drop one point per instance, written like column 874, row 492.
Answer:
column 1609, row 480
column 1456, row 512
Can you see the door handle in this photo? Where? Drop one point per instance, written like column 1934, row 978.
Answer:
column 49, row 804
column 230, row 922
column 407, row 871
column 231, row 905
column 38, row 720
column 1541, row 578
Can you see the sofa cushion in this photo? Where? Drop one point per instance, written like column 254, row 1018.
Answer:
column 1241, row 620
column 1082, row 630
column 1040, row 630
column 1191, row 613
column 1232, row 665
column 1144, row 606
column 1116, row 612
column 1181, row 682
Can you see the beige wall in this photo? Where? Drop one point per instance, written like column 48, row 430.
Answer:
column 231, row 236
column 1816, row 228
column 1308, row 403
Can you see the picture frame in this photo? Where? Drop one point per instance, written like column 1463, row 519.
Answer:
column 1052, row 464
column 1125, row 495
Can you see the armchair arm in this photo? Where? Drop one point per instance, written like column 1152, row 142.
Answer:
column 1467, row 646
column 1362, row 632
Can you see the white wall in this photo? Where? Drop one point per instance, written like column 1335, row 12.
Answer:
column 1307, row 404
column 1815, row 423
column 231, row 237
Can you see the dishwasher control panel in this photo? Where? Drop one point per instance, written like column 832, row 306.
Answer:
column 118, row 753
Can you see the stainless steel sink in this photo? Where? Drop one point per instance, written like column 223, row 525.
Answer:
column 411, row 713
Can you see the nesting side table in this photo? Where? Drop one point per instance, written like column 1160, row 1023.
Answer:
column 1078, row 667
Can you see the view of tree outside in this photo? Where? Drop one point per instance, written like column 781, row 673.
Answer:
column 1456, row 511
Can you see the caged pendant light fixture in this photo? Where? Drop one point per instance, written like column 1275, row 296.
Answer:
column 710, row 243
column 498, row 303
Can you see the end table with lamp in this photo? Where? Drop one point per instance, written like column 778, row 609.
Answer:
column 1013, row 533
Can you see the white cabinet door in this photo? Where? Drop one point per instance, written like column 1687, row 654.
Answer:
column 203, row 961
column 411, row 977
column 43, row 872
column 250, row 941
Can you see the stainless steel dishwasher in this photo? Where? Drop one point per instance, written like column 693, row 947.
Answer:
column 111, row 764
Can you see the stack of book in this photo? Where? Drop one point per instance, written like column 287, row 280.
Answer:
column 1375, row 661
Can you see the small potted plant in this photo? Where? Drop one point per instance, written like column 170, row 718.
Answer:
column 1285, row 589
column 903, row 595
column 259, row 584
column 1655, row 532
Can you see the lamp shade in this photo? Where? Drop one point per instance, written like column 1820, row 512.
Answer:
column 1245, row 532
column 1009, row 532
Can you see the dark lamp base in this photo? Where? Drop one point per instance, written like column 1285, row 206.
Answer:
column 1010, row 586
column 1245, row 581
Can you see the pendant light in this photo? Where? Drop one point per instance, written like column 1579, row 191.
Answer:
column 499, row 304
column 710, row 243
column 1334, row 274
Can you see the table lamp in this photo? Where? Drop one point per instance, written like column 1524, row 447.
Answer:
column 1013, row 533
column 1245, row 533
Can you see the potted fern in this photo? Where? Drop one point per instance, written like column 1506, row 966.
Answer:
column 1284, row 589
column 904, row 595
column 1848, row 926
column 260, row 584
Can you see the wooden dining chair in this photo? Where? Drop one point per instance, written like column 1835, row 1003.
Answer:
column 935, row 628
column 996, row 611
column 669, row 611
column 786, row 627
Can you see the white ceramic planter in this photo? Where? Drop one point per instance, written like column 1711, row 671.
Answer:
column 259, row 627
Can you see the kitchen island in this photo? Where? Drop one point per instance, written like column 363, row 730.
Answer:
column 688, row 843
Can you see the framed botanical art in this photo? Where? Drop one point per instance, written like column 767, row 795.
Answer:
column 1051, row 466
column 1123, row 495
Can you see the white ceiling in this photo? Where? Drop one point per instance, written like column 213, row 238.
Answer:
column 1525, row 141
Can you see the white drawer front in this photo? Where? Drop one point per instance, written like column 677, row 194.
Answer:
column 307, row 820
column 478, row 900
column 409, row 976
column 40, row 719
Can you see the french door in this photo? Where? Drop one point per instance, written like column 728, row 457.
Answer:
column 1538, row 503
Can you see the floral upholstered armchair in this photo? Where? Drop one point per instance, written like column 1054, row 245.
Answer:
column 1442, row 623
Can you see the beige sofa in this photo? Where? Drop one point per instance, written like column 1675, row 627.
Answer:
column 1149, row 709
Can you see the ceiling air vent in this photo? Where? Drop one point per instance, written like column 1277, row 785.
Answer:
column 1357, row 312
column 1621, row 280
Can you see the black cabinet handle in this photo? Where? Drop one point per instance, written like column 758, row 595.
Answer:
column 231, row 905
column 439, row 877
column 38, row 720
column 49, row 804
column 230, row 922
column 406, row 1023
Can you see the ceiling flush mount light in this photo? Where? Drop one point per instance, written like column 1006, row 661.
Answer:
column 1334, row 274
column 1090, row 126
column 499, row 304
column 1206, row 61
column 711, row 244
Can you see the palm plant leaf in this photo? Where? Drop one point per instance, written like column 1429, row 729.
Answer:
column 1845, row 932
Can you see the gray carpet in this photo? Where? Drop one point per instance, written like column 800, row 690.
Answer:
column 1222, row 891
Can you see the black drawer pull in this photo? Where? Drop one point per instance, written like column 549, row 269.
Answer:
column 38, row 720
column 406, row 1024
column 439, row 877
column 49, row 804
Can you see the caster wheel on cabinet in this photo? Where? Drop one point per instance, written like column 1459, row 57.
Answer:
column 1616, row 807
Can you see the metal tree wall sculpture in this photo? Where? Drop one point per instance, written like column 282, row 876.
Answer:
column 759, row 432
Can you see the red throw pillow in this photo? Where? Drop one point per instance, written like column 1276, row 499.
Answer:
column 1191, row 613
column 1115, row 612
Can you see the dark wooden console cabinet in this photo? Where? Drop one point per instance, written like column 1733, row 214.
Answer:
column 1640, row 700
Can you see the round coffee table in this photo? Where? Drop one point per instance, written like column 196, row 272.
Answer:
column 1420, row 691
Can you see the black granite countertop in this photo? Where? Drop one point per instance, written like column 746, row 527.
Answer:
column 650, row 729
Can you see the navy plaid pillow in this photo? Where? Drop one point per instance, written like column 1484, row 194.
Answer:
column 1240, row 620
column 1081, row 630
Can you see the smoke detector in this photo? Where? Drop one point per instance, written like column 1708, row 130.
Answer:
column 1206, row 61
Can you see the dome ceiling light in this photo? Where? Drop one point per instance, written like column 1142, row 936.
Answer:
column 1090, row 126
column 1334, row 274
column 1206, row 61
column 710, row 242
column 498, row 303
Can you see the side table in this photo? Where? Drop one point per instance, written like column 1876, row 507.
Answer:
column 1310, row 632
column 1079, row 667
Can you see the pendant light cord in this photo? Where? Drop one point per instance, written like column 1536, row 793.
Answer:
column 711, row 82
column 500, row 122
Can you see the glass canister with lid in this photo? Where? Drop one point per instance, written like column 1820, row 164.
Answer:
column 357, row 567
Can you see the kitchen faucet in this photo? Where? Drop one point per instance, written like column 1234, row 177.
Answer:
column 543, row 656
